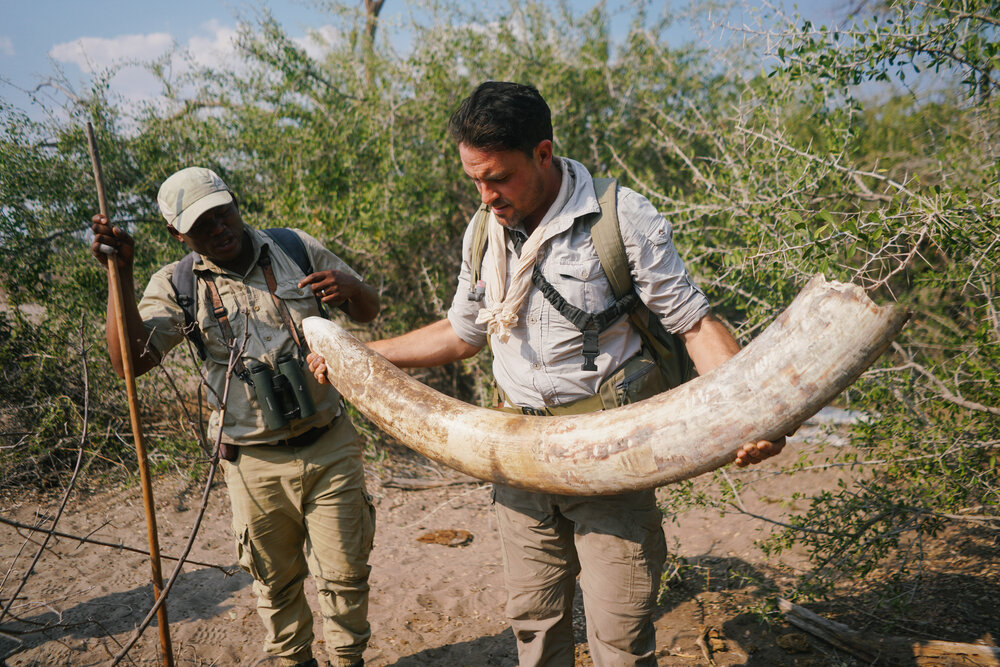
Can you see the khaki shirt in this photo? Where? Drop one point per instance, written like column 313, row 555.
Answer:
column 251, row 311
column 541, row 363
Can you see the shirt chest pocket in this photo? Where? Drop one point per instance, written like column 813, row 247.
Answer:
column 300, row 301
column 581, row 283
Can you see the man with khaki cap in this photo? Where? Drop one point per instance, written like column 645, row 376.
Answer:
column 292, row 459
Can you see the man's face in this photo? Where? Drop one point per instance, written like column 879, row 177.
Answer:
column 509, row 182
column 217, row 234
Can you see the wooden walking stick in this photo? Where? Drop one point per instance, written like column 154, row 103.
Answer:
column 133, row 408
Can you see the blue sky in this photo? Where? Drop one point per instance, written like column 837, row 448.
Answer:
column 81, row 36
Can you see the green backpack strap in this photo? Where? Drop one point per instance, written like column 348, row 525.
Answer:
column 479, row 238
column 477, row 289
column 606, row 234
column 607, row 237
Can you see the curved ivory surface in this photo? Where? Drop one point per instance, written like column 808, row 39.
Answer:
column 814, row 350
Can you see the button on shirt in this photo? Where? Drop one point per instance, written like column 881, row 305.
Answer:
column 251, row 309
column 541, row 364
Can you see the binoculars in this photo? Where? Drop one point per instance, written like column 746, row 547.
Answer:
column 284, row 395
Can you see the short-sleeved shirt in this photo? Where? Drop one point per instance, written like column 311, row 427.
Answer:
column 251, row 311
column 541, row 364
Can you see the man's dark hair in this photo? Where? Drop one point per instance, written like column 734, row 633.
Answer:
column 502, row 116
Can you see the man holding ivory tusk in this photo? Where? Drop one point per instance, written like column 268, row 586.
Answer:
column 562, row 343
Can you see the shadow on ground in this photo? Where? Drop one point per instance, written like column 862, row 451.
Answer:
column 201, row 594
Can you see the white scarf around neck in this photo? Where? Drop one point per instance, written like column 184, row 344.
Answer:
column 502, row 314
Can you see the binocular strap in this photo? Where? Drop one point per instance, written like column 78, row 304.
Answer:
column 222, row 317
column 272, row 286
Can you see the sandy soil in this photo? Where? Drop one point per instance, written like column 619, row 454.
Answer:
column 431, row 603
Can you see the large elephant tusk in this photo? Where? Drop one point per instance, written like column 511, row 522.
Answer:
column 814, row 350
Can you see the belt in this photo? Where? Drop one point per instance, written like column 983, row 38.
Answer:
column 587, row 404
column 307, row 438
column 612, row 393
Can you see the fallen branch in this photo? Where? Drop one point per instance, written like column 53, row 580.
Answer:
column 706, row 652
column 113, row 545
column 889, row 650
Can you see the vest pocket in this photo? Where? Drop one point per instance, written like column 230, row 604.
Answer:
column 639, row 378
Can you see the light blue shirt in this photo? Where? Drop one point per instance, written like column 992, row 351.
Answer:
column 541, row 364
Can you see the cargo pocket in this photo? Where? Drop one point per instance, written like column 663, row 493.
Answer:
column 369, row 537
column 650, row 555
column 346, row 559
column 581, row 284
column 641, row 379
column 246, row 555
column 301, row 301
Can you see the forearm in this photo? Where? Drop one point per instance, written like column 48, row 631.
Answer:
column 432, row 345
column 363, row 305
column 709, row 343
column 142, row 360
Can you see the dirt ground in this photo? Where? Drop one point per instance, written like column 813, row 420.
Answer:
column 437, row 598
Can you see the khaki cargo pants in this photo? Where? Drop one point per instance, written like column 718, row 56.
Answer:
column 300, row 510
column 615, row 543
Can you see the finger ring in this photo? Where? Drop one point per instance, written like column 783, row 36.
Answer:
column 322, row 292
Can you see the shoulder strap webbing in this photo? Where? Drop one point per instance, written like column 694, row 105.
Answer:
column 291, row 243
column 222, row 317
column 590, row 324
column 185, row 284
column 607, row 237
column 477, row 289
column 606, row 234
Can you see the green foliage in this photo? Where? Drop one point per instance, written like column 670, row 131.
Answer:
column 767, row 179
column 914, row 211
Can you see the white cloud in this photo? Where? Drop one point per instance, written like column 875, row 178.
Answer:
column 212, row 46
column 6, row 46
column 215, row 46
column 318, row 42
column 92, row 54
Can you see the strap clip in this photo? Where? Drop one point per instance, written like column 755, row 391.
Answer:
column 590, row 349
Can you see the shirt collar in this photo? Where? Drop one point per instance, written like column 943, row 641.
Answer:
column 257, row 241
column 576, row 198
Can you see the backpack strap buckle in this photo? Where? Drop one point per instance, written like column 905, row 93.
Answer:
column 590, row 348
column 478, row 293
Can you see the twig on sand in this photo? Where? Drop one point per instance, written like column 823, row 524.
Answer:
column 889, row 650
column 443, row 505
column 422, row 483
column 114, row 545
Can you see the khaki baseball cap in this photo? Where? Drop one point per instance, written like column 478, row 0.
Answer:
column 189, row 193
